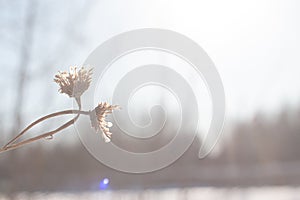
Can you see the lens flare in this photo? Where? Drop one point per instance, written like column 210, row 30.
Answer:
column 104, row 183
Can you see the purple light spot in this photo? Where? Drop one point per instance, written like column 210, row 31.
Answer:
column 104, row 183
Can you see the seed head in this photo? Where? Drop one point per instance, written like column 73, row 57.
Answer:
column 98, row 119
column 75, row 82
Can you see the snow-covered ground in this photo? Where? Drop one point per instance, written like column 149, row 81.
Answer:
column 257, row 193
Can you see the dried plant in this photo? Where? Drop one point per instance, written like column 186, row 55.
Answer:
column 73, row 83
column 98, row 119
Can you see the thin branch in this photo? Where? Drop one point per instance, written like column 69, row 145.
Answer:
column 11, row 145
column 65, row 112
column 19, row 144
column 67, row 124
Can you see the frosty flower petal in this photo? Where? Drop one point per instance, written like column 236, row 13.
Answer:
column 75, row 82
column 98, row 119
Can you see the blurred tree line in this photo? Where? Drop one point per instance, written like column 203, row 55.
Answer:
column 263, row 151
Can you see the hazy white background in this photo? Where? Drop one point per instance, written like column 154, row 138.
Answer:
column 254, row 45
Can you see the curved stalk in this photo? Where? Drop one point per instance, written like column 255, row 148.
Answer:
column 11, row 145
column 64, row 112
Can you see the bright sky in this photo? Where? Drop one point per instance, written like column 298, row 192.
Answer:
column 254, row 44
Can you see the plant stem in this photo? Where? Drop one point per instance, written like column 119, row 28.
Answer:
column 64, row 112
column 16, row 145
column 11, row 145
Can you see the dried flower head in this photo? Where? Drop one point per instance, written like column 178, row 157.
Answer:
column 75, row 82
column 98, row 119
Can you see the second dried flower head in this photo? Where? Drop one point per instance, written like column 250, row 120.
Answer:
column 98, row 119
